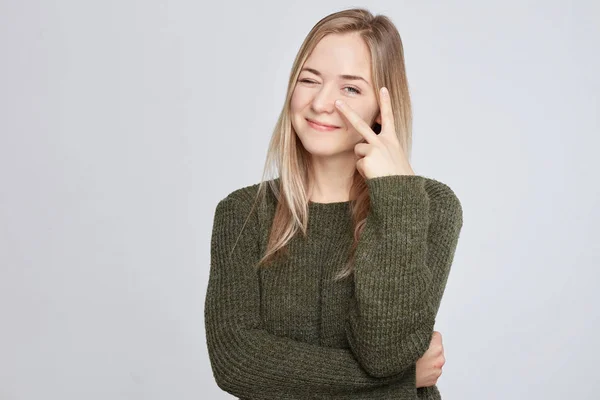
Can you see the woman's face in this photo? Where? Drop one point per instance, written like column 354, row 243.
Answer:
column 321, row 82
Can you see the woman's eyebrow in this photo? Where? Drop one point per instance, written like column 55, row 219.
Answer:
column 346, row 77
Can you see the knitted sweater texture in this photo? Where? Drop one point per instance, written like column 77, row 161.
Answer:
column 289, row 331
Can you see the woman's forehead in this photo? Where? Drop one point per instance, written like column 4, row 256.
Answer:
column 337, row 55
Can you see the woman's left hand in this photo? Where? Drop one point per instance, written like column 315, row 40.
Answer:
column 382, row 153
column 429, row 366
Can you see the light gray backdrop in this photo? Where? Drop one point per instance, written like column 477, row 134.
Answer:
column 123, row 123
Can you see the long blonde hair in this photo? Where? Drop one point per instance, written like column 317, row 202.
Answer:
column 286, row 153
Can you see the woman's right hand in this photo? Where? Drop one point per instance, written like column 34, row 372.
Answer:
column 429, row 367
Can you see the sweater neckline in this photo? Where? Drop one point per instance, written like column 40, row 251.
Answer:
column 331, row 205
column 322, row 211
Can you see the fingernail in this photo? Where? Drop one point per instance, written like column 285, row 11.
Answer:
column 384, row 90
column 339, row 103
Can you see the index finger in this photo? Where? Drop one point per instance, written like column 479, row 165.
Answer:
column 357, row 122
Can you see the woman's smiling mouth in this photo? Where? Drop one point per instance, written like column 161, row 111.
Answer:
column 320, row 127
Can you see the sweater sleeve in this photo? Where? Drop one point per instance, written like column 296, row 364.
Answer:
column 248, row 361
column 402, row 263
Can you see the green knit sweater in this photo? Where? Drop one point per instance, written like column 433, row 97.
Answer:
column 288, row 331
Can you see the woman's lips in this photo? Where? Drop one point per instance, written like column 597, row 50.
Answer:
column 323, row 128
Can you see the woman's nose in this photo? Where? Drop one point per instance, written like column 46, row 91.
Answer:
column 324, row 100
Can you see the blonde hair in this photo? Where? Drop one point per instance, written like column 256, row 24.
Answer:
column 287, row 154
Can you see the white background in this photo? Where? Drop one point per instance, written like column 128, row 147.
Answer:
column 123, row 123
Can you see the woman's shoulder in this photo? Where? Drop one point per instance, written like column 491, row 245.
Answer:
column 438, row 189
column 443, row 199
column 246, row 195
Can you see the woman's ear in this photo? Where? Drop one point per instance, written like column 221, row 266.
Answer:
column 377, row 124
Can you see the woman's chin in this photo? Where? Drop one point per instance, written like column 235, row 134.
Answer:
column 324, row 147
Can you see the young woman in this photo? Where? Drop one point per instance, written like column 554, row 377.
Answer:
column 325, row 282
